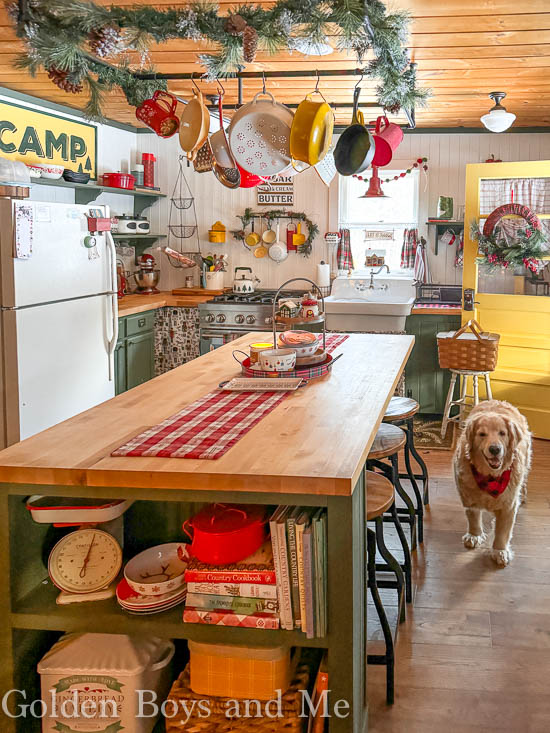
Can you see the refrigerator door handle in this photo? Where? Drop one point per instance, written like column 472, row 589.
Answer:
column 114, row 303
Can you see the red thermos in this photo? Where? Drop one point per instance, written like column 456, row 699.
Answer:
column 148, row 160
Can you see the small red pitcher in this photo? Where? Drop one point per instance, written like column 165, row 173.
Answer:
column 387, row 138
column 158, row 113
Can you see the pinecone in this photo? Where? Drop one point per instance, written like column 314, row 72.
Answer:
column 235, row 25
column 105, row 41
column 393, row 108
column 60, row 78
column 250, row 44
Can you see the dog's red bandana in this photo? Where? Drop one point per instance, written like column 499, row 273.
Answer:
column 493, row 486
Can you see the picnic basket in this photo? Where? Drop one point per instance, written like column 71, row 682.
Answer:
column 469, row 348
column 220, row 720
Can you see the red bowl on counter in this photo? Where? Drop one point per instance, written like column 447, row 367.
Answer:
column 227, row 533
column 119, row 180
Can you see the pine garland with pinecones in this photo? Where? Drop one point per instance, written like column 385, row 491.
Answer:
column 60, row 79
column 74, row 36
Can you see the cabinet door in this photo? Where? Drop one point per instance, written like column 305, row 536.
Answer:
column 120, row 367
column 424, row 380
column 140, row 359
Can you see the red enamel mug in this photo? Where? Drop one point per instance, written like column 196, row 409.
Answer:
column 159, row 113
column 387, row 138
column 223, row 534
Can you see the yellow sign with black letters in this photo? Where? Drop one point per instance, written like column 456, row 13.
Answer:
column 39, row 137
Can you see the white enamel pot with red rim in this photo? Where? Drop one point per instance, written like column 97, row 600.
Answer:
column 387, row 138
column 259, row 136
column 222, row 534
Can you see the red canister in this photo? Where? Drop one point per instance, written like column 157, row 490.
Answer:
column 159, row 113
column 148, row 160
column 227, row 533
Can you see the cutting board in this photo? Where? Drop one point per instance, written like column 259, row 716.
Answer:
column 199, row 291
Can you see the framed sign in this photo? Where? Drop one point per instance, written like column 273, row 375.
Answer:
column 279, row 191
column 379, row 234
column 34, row 136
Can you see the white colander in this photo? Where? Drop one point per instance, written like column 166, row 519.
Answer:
column 259, row 136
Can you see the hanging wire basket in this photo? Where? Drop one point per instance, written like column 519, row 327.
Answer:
column 182, row 225
column 182, row 231
column 182, row 203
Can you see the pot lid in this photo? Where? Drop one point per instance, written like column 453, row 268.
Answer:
column 225, row 518
column 101, row 654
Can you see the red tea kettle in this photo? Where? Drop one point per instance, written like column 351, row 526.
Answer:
column 158, row 113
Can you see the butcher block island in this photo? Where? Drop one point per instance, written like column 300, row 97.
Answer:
column 309, row 450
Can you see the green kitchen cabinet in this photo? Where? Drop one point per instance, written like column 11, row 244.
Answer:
column 140, row 359
column 135, row 351
column 424, row 380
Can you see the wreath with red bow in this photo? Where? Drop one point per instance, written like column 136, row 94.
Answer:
column 496, row 250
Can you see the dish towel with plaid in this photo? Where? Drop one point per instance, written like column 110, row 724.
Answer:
column 344, row 257
column 408, row 250
column 210, row 426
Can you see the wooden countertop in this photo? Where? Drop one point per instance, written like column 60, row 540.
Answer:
column 420, row 310
column 315, row 442
column 131, row 304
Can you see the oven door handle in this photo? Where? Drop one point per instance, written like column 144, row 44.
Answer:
column 215, row 335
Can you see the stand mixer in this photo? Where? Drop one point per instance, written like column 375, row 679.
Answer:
column 146, row 277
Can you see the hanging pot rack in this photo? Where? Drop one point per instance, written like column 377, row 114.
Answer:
column 290, row 74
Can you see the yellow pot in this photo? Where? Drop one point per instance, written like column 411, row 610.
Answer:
column 311, row 131
column 216, row 236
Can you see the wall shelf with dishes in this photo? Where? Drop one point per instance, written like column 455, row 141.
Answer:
column 441, row 226
column 85, row 193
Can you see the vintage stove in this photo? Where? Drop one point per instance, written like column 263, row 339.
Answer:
column 229, row 316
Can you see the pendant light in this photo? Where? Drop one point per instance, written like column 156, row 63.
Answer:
column 374, row 190
column 308, row 47
column 498, row 119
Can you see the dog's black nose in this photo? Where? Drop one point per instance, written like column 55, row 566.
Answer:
column 494, row 449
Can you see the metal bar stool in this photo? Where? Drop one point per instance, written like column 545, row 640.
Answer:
column 381, row 499
column 401, row 412
column 389, row 440
column 465, row 399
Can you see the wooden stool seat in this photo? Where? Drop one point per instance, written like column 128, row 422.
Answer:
column 400, row 408
column 465, row 398
column 380, row 494
column 389, row 439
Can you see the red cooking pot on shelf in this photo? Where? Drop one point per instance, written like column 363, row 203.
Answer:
column 119, row 180
column 223, row 534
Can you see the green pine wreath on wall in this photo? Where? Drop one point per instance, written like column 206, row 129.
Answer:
column 70, row 39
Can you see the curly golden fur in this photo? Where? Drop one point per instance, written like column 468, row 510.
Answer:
column 495, row 438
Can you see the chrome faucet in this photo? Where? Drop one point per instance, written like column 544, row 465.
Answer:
column 373, row 273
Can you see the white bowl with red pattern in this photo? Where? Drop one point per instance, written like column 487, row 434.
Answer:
column 158, row 569
column 51, row 171
column 277, row 360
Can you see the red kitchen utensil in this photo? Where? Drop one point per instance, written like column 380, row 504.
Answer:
column 227, row 533
column 158, row 113
column 119, row 180
column 387, row 138
column 248, row 180
column 291, row 231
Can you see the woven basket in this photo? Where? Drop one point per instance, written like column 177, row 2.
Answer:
column 476, row 351
column 218, row 720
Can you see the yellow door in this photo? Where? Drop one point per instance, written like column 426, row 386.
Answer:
column 522, row 376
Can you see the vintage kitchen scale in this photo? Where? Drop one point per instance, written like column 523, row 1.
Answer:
column 84, row 563
column 316, row 365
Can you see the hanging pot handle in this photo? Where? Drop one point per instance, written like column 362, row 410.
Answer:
column 355, row 116
column 379, row 121
column 220, row 110
column 263, row 94
column 162, row 97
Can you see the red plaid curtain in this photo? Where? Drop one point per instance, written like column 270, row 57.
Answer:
column 344, row 257
column 408, row 250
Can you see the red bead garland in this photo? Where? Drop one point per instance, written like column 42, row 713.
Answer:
column 420, row 162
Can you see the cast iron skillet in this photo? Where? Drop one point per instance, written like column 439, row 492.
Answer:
column 355, row 149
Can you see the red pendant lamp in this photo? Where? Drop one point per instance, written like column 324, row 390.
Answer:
column 374, row 190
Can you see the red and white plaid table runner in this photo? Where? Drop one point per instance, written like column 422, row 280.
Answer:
column 210, row 426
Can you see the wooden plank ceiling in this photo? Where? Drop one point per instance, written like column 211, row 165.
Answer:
column 464, row 50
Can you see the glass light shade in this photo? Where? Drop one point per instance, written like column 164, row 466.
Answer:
column 498, row 120
column 312, row 48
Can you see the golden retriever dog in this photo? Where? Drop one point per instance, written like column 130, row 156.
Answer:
column 491, row 464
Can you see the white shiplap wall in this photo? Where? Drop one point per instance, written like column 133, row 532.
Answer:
column 447, row 156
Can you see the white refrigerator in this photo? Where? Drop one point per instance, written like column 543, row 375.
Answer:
column 59, row 317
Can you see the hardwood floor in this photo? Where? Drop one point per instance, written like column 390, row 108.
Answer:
column 474, row 652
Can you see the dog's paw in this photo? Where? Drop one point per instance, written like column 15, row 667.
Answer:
column 502, row 557
column 471, row 541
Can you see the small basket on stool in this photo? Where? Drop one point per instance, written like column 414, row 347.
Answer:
column 465, row 354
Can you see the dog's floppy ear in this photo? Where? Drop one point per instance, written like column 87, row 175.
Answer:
column 514, row 432
column 469, row 432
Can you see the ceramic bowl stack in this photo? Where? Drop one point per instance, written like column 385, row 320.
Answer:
column 306, row 345
column 154, row 580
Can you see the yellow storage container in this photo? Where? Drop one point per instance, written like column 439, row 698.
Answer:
column 239, row 672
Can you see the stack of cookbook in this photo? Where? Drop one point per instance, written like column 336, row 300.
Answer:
column 242, row 594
